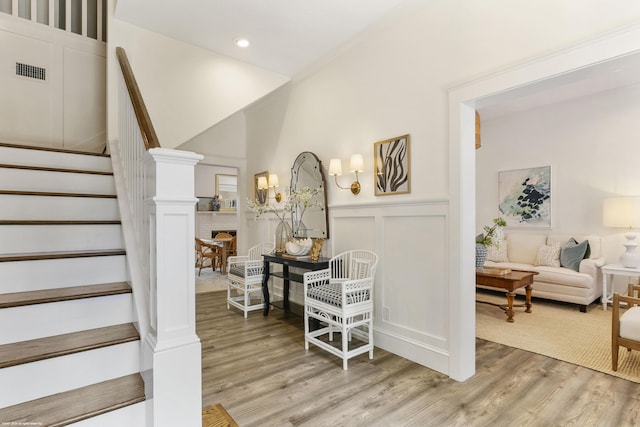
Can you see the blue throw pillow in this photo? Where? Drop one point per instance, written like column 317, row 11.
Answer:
column 572, row 253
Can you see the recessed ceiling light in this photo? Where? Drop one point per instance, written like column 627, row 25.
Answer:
column 242, row 42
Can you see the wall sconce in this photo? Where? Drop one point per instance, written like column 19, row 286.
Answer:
column 273, row 182
column 356, row 165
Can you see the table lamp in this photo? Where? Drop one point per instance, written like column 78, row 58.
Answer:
column 624, row 212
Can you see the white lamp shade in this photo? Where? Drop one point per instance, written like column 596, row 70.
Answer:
column 623, row 212
column 357, row 163
column 335, row 167
column 262, row 183
column 273, row 180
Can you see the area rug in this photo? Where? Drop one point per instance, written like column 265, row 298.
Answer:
column 557, row 330
column 209, row 281
column 217, row 416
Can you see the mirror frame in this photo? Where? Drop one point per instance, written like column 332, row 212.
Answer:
column 320, row 173
column 261, row 196
column 235, row 199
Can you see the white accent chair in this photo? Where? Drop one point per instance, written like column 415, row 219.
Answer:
column 244, row 278
column 340, row 298
column 625, row 325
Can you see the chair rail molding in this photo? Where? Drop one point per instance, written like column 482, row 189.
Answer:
column 410, row 292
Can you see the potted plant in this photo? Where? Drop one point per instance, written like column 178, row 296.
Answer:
column 488, row 238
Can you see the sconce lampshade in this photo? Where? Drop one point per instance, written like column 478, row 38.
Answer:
column 357, row 163
column 262, row 183
column 624, row 212
column 273, row 180
column 335, row 167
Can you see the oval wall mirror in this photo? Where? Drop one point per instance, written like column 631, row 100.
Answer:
column 308, row 187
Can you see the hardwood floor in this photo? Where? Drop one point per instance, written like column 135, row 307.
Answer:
column 259, row 371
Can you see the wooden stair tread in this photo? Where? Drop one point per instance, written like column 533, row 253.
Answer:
column 61, row 345
column 52, row 149
column 52, row 169
column 56, row 194
column 58, row 222
column 18, row 299
column 60, row 255
column 79, row 404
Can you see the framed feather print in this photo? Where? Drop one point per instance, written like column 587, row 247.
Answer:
column 392, row 166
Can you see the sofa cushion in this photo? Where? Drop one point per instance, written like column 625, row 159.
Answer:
column 562, row 276
column 630, row 324
column 498, row 252
column 595, row 245
column 572, row 253
column 523, row 247
column 548, row 255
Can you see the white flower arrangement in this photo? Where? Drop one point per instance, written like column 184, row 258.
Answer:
column 292, row 209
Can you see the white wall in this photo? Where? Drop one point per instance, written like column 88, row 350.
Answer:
column 391, row 82
column 591, row 144
column 186, row 89
column 68, row 109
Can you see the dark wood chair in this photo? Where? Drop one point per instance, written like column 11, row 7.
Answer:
column 625, row 325
column 206, row 251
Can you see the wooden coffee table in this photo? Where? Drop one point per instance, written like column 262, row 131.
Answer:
column 510, row 282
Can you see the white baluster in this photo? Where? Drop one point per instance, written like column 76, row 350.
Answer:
column 15, row 8
column 84, row 12
column 52, row 14
column 99, row 21
column 34, row 10
column 67, row 19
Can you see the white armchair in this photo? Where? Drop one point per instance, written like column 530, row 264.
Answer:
column 244, row 278
column 340, row 299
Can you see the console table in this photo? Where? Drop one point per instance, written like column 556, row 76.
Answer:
column 286, row 276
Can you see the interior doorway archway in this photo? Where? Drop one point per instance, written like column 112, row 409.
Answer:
column 516, row 83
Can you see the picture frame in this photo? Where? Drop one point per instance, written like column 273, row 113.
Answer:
column 392, row 162
column 260, row 195
column 524, row 197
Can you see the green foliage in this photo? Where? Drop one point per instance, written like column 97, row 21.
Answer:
column 487, row 238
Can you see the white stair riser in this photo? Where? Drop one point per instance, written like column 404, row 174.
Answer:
column 29, row 180
column 53, row 238
column 14, row 207
column 129, row 416
column 27, row 157
column 57, row 318
column 38, row 379
column 22, row 276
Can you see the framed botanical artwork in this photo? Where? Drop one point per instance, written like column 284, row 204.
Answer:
column 260, row 193
column 392, row 166
column 524, row 197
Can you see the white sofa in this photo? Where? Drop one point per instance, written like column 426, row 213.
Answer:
column 556, row 283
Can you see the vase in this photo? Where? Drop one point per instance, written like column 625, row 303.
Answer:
column 481, row 255
column 283, row 235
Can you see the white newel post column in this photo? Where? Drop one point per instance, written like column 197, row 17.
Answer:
column 172, row 360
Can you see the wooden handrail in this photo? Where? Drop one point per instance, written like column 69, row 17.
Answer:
column 142, row 115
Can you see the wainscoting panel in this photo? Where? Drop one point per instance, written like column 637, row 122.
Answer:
column 411, row 289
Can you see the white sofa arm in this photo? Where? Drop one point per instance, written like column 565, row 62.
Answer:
column 590, row 266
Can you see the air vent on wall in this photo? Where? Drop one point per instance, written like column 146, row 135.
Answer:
column 31, row 71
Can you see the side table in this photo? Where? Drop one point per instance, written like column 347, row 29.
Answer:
column 609, row 272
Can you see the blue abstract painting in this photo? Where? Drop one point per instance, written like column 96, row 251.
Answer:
column 525, row 197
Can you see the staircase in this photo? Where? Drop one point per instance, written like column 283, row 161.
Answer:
column 69, row 351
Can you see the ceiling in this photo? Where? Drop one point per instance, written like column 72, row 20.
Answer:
column 289, row 36
column 616, row 73
column 286, row 35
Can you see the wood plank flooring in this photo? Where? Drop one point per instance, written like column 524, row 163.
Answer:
column 260, row 372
